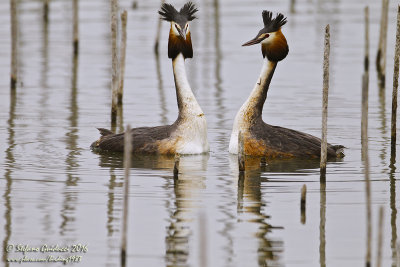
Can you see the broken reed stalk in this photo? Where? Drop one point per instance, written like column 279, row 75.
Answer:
column 381, row 55
column 325, row 101
column 114, row 71
column 366, row 48
column 124, row 18
column 303, row 204
column 76, row 28
column 176, row 166
column 14, row 44
column 46, row 11
column 241, row 153
column 127, row 166
column 158, row 33
column 365, row 84
column 395, row 85
column 380, row 238
column 364, row 136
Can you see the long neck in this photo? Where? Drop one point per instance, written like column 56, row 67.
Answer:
column 253, row 107
column 187, row 103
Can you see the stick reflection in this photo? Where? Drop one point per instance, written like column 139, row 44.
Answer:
column 187, row 186
column 70, row 196
column 250, row 203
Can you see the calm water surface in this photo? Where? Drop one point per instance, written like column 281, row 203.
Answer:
column 54, row 190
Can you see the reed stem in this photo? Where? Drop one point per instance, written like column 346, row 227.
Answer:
column 124, row 18
column 395, row 86
column 76, row 27
column 46, row 11
column 381, row 55
column 14, row 44
column 114, row 70
column 366, row 34
column 324, row 142
column 364, row 113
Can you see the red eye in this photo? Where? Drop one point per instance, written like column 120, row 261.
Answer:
column 267, row 35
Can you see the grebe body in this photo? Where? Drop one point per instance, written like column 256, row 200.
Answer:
column 260, row 138
column 188, row 134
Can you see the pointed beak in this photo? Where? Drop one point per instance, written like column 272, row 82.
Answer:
column 252, row 42
column 258, row 39
column 182, row 33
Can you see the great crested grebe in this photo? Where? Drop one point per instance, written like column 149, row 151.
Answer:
column 261, row 139
column 188, row 134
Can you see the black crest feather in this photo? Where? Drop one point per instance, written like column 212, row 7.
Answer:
column 188, row 10
column 169, row 13
column 273, row 24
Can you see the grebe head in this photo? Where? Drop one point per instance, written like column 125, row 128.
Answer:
column 179, row 34
column 273, row 42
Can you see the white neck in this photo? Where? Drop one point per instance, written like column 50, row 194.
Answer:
column 251, row 110
column 187, row 103
column 255, row 102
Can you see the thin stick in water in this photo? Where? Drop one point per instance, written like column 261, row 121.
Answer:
column 241, row 152
column 364, row 112
column 127, row 166
column 303, row 204
column 14, row 44
column 366, row 34
column 380, row 238
column 324, row 142
column 46, row 11
column 158, row 33
column 114, row 71
column 381, row 55
column 124, row 18
column 76, row 27
column 395, row 86
column 365, row 84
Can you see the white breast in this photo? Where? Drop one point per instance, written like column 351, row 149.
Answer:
column 192, row 136
column 238, row 125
